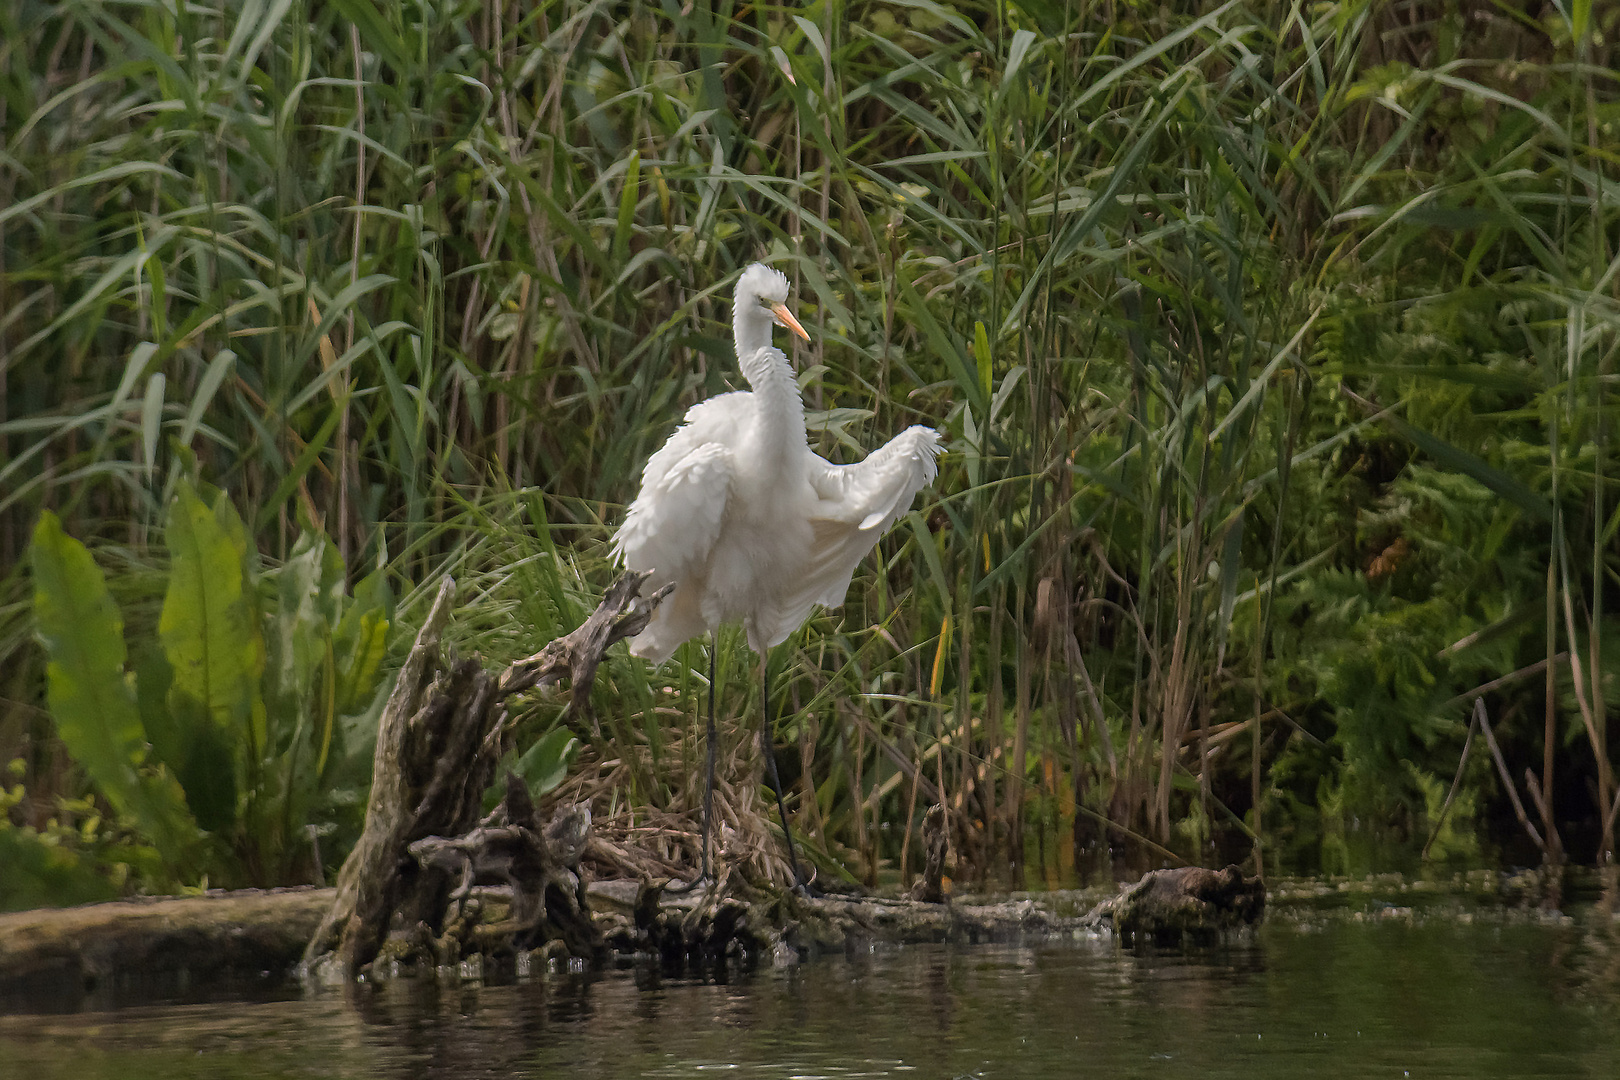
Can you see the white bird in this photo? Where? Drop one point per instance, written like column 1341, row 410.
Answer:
column 745, row 520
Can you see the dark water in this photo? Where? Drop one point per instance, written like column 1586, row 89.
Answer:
column 1379, row 993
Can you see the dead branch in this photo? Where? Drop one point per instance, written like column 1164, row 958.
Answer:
column 443, row 732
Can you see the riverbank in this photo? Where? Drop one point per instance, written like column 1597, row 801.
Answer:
column 258, row 937
column 232, row 942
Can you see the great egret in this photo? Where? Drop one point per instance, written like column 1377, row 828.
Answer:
column 751, row 525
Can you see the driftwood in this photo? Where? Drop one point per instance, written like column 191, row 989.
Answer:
column 622, row 613
column 1188, row 903
column 540, row 866
column 930, row 888
column 101, row 951
column 412, row 882
column 441, row 736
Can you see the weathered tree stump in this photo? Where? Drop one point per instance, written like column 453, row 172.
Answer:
column 541, row 865
column 1187, row 903
column 442, row 734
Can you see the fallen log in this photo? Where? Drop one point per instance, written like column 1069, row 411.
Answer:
column 221, row 937
column 412, row 882
column 65, row 954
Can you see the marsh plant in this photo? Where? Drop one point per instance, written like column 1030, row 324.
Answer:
column 234, row 738
column 1274, row 344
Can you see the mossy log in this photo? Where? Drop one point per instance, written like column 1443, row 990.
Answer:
column 219, row 935
column 1187, row 903
column 698, row 931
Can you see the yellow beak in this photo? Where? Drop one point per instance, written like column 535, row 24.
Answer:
column 785, row 317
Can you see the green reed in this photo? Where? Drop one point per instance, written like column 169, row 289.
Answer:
column 1272, row 344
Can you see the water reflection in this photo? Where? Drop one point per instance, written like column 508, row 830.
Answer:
column 1497, row 994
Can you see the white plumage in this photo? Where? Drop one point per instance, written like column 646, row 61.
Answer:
column 738, row 512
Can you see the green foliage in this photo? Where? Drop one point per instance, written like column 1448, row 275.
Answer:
column 90, row 694
column 59, row 864
column 221, row 758
column 544, row 764
column 40, row 873
column 1274, row 345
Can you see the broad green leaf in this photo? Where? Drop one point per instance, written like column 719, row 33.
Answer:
column 170, row 743
column 90, row 696
column 208, row 770
column 83, row 634
column 545, row 764
column 360, row 643
column 358, row 682
column 301, row 623
column 209, row 626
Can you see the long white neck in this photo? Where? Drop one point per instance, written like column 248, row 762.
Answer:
column 778, row 408
column 750, row 326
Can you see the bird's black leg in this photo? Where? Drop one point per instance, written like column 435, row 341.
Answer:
column 708, row 774
column 708, row 771
column 770, row 763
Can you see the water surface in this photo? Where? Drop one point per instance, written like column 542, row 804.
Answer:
column 1382, row 992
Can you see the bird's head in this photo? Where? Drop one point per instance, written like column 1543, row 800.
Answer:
column 767, row 288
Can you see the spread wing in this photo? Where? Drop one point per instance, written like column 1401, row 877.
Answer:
column 673, row 524
column 684, row 489
column 675, row 519
column 858, row 504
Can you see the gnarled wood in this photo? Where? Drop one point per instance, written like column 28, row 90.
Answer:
column 442, row 734
column 540, row 865
column 621, row 614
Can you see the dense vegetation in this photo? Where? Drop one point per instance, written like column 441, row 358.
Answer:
column 1274, row 345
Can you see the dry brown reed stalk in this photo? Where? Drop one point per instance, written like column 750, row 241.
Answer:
column 652, row 841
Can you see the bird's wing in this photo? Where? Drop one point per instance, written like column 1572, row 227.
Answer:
column 675, row 519
column 857, row 504
column 720, row 418
column 713, row 421
column 872, row 494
